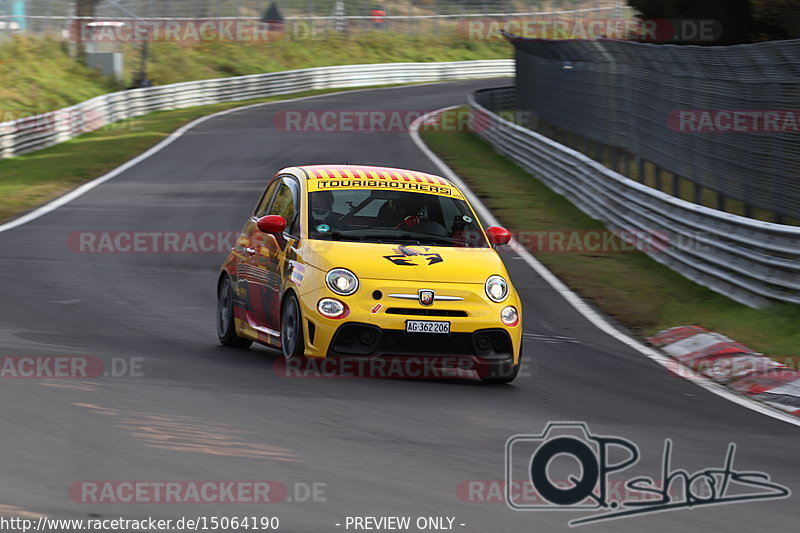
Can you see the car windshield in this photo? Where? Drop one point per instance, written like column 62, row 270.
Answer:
column 392, row 217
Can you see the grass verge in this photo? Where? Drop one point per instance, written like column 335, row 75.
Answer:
column 33, row 179
column 38, row 75
column 631, row 287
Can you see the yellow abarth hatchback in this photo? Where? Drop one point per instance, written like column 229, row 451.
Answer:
column 371, row 262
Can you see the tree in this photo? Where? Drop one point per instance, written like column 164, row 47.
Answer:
column 734, row 17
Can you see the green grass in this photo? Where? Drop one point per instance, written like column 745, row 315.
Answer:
column 631, row 287
column 32, row 179
column 214, row 59
column 38, row 75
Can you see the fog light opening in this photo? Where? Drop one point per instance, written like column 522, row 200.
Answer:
column 483, row 342
column 367, row 337
column 332, row 308
column 347, row 338
column 509, row 316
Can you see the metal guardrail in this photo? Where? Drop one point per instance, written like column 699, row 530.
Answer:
column 753, row 262
column 36, row 132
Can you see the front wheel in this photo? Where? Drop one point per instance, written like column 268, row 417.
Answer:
column 226, row 325
column 292, row 344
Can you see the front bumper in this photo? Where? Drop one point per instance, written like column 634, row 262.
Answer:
column 376, row 325
column 487, row 352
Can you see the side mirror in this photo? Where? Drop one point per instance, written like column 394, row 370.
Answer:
column 271, row 224
column 498, row 235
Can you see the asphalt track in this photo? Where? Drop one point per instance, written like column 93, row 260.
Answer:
column 382, row 447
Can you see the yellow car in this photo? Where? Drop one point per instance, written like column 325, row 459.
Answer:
column 340, row 261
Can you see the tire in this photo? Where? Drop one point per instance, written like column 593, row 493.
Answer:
column 502, row 375
column 292, row 343
column 226, row 325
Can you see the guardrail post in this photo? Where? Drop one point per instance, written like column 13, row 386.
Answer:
column 676, row 185
column 698, row 194
column 640, row 169
column 6, row 143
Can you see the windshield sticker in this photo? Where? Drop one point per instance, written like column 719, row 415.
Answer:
column 323, row 228
column 428, row 188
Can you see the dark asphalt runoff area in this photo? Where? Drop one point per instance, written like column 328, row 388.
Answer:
column 373, row 447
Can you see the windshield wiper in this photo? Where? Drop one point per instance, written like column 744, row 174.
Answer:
column 403, row 238
column 388, row 238
column 339, row 236
column 421, row 240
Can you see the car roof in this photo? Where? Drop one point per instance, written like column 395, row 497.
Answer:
column 370, row 172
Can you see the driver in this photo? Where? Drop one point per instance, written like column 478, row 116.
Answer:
column 322, row 207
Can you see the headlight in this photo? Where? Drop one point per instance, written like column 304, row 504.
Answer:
column 332, row 308
column 342, row 281
column 509, row 316
column 496, row 288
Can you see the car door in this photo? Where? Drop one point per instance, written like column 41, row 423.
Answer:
column 266, row 256
column 252, row 279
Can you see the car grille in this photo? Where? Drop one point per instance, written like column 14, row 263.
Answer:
column 400, row 343
column 366, row 339
column 424, row 312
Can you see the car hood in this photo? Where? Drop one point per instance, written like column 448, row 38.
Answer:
column 406, row 262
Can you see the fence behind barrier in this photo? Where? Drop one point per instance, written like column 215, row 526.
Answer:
column 750, row 261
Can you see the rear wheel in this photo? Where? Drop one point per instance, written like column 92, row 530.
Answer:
column 226, row 325
column 292, row 344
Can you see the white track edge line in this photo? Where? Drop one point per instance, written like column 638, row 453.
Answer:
column 595, row 318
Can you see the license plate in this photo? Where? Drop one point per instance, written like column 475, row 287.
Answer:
column 427, row 326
